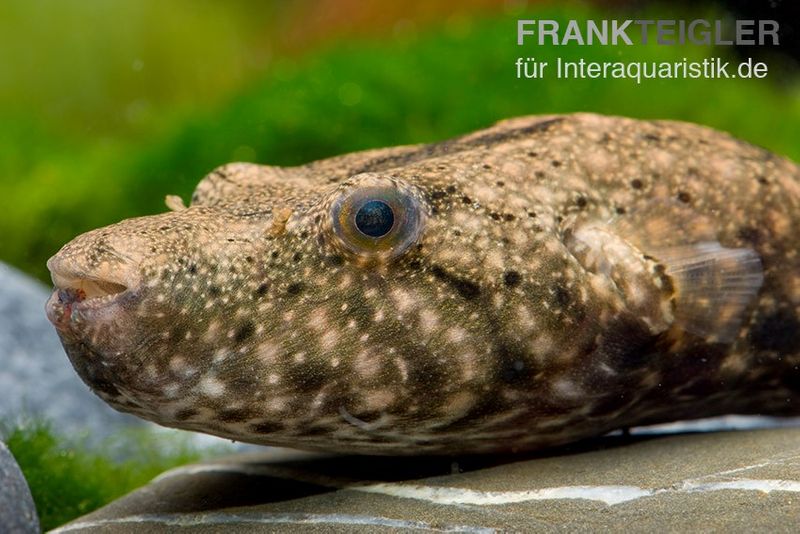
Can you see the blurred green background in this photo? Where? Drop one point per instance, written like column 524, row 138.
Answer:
column 106, row 107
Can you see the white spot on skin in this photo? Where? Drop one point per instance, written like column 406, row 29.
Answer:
column 220, row 355
column 542, row 344
column 498, row 300
column 277, row 404
column 328, row 340
column 211, row 387
column 367, row 364
column 734, row 364
column 318, row 320
column 403, row 300
column 212, row 333
column 402, row 368
column 525, row 318
column 456, row 334
column 598, row 161
column 319, row 399
column 267, row 352
column 606, row 369
column 468, row 359
column 793, row 285
column 467, row 220
column 428, row 321
column 151, row 372
column 494, row 260
column 566, row 388
column 378, row 400
column 484, row 194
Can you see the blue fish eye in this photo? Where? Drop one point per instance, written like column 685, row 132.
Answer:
column 375, row 218
column 375, row 222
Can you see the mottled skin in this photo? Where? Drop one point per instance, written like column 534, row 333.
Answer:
column 246, row 317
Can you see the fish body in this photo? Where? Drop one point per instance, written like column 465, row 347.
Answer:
column 545, row 280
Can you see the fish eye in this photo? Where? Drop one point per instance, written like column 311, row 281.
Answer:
column 375, row 218
column 376, row 222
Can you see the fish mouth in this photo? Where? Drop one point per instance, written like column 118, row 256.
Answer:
column 94, row 311
column 80, row 296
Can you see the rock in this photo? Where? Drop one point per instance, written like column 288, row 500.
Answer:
column 17, row 511
column 723, row 481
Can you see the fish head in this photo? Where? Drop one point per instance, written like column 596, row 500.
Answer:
column 129, row 297
column 273, row 299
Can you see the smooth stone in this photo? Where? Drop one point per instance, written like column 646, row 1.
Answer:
column 711, row 482
column 17, row 511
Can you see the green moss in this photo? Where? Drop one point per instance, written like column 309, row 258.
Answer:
column 70, row 480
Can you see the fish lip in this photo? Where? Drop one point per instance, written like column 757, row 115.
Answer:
column 88, row 295
column 70, row 314
column 101, row 281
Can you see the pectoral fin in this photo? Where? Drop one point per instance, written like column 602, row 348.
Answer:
column 670, row 270
column 713, row 287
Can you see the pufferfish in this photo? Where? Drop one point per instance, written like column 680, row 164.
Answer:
column 545, row 280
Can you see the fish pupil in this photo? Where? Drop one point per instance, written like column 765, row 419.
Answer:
column 375, row 218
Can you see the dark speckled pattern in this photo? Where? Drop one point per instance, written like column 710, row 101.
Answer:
column 488, row 326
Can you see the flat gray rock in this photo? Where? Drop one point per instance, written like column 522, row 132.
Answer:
column 711, row 482
column 17, row 511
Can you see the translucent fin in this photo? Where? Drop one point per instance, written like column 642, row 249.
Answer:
column 714, row 287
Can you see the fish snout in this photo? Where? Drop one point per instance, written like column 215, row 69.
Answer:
column 92, row 276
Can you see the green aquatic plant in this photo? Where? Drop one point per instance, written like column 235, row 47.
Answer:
column 68, row 478
column 419, row 86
